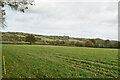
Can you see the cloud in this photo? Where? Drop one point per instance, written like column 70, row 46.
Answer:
column 63, row 17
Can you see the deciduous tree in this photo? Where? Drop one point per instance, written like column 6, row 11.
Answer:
column 89, row 44
column 30, row 38
column 19, row 5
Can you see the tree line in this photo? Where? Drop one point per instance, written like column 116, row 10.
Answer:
column 58, row 40
column 88, row 43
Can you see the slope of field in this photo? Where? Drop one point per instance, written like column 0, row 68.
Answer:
column 37, row 61
column 19, row 36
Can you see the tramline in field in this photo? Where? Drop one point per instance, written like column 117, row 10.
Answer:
column 42, row 61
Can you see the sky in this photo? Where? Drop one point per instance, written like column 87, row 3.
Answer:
column 74, row 18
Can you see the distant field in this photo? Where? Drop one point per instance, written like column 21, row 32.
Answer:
column 42, row 61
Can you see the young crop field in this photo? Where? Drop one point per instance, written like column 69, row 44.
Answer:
column 42, row 61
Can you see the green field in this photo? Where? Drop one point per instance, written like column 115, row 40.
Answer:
column 42, row 61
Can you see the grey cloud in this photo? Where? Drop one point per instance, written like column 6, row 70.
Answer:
column 76, row 19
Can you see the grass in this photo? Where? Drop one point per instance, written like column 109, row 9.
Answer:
column 73, row 40
column 44, row 38
column 42, row 61
column 13, row 42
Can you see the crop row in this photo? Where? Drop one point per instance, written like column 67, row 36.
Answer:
column 97, row 68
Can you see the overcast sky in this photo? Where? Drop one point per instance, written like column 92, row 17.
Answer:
column 73, row 18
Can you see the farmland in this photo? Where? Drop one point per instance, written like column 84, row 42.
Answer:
column 45, row 61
